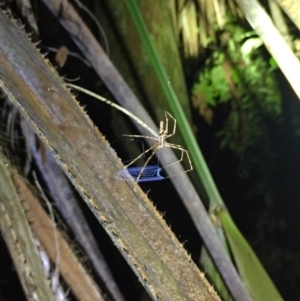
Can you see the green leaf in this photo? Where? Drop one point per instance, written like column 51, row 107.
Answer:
column 256, row 279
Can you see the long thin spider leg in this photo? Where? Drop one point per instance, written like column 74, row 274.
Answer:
column 174, row 128
column 167, row 123
column 183, row 151
column 146, row 151
column 140, row 136
column 189, row 159
column 172, row 145
column 137, row 179
column 181, row 157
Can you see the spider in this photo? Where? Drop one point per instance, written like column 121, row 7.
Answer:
column 161, row 143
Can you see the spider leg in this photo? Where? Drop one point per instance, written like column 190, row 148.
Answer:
column 150, row 157
column 183, row 151
column 146, row 151
column 189, row 159
column 181, row 157
column 174, row 128
column 172, row 145
column 167, row 123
